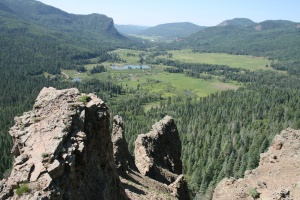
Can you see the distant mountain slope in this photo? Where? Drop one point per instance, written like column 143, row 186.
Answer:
column 5, row 8
column 274, row 39
column 95, row 25
column 130, row 29
column 239, row 22
column 274, row 24
column 172, row 30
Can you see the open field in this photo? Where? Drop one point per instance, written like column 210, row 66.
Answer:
column 236, row 61
column 155, row 80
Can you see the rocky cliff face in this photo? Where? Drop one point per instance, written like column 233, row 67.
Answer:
column 157, row 153
column 122, row 158
column 276, row 177
column 63, row 150
column 157, row 170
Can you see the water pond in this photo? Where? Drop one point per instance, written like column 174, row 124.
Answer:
column 76, row 80
column 130, row 67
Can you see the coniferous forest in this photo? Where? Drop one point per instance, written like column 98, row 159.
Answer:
column 222, row 134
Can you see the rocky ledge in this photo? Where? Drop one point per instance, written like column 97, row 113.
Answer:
column 276, row 178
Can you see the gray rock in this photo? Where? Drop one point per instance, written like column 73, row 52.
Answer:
column 123, row 160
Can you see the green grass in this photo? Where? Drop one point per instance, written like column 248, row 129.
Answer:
column 23, row 188
column 176, row 84
column 236, row 61
column 156, row 80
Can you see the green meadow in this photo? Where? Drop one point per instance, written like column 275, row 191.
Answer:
column 236, row 61
column 156, row 80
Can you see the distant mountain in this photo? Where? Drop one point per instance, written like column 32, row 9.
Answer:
column 95, row 25
column 172, row 30
column 239, row 22
column 130, row 29
column 274, row 24
column 276, row 39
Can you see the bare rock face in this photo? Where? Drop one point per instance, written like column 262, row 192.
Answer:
column 276, row 177
column 157, row 157
column 157, row 153
column 123, row 160
column 63, row 150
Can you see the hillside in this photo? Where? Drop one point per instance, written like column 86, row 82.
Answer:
column 130, row 29
column 239, row 22
column 272, row 39
column 172, row 30
column 96, row 26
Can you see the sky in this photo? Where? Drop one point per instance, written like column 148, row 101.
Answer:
column 200, row 12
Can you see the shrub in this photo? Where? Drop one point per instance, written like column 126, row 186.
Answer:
column 84, row 99
column 22, row 189
column 253, row 193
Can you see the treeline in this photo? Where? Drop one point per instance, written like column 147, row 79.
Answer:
column 195, row 69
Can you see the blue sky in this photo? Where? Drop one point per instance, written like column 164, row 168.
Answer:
column 201, row 12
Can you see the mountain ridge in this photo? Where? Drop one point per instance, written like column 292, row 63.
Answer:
column 172, row 30
column 239, row 22
column 48, row 16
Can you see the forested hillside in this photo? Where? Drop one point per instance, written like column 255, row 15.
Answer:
column 238, row 22
column 172, row 30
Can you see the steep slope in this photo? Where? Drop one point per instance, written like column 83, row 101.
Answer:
column 276, row 177
column 93, row 25
column 130, row 29
column 63, row 150
column 172, row 30
column 238, row 22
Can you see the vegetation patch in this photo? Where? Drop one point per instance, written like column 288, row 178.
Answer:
column 236, row 61
column 22, row 189
column 84, row 99
column 253, row 193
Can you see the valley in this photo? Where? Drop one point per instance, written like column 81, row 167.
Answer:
column 230, row 88
column 156, row 80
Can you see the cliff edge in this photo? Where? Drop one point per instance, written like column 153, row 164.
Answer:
column 63, row 150
column 276, row 178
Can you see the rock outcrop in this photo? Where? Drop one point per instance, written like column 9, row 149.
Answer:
column 63, row 150
column 123, row 160
column 276, row 177
column 157, row 171
column 157, row 153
